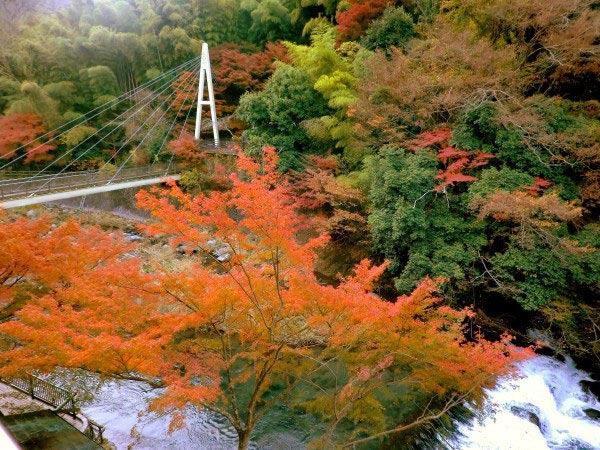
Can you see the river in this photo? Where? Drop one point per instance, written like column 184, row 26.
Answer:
column 542, row 407
column 122, row 408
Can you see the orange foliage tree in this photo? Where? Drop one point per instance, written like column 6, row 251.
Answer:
column 42, row 265
column 19, row 134
column 533, row 217
column 250, row 325
column 238, row 70
column 354, row 21
column 185, row 147
column 335, row 208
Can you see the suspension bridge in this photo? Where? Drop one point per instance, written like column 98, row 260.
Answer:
column 157, row 111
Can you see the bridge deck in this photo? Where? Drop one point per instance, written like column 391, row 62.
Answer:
column 29, row 188
column 82, row 191
column 24, row 191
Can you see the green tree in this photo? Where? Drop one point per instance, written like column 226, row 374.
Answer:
column 34, row 100
column 99, row 84
column 219, row 21
column 276, row 114
column 420, row 231
column 394, row 28
column 535, row 259
column 9, row 90
column 331, row 71
column 65, row 93
column 271, row 19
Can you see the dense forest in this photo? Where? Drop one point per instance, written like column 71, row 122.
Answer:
column 443, row 151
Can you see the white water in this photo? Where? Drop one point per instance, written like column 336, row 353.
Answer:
column 122, row 408
column 547, row 388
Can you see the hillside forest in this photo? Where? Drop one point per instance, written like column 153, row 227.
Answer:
column 416, row 186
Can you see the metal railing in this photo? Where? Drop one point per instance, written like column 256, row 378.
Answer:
column 94, row 431
column 46, row 184
column 61, row 399
column 22, row 184
column 10, row 175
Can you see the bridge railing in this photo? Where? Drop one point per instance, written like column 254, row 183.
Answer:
column 61, row 399
column 14, row 175
column 94, row 431
column 25, row 184
column 45, row 184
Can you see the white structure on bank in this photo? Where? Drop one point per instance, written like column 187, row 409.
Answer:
column 206, row 76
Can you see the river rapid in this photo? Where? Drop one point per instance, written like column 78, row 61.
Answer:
column 122, row 408
column 542, row 407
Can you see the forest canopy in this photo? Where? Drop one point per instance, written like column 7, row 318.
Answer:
column 443, row 154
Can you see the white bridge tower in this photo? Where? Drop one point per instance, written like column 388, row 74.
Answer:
column 206, row 76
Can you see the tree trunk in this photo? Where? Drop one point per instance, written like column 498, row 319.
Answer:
column 244, row 440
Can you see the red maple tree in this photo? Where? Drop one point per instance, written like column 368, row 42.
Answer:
column 186, row 148
column 354, row 21
column 539, row 186
column 237, row 70
column 331, row 206
column 20, row 133
column 244, row 328
column 455, row 162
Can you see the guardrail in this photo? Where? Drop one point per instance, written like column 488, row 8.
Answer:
column 59, row 398
column 38, row 185
column 94, row 431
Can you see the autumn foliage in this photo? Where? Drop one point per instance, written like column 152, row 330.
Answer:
column 455, row 162
column 205, row 171
column 238, row 70
column 555, row 39
column 257, row 319
column 47, row 271
column 19, row 135
column 235, row 70
column 353, row 22
column 328, row 205
column 185, row 92
column 186, row 148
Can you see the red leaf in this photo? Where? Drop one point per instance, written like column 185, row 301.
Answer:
column 539, row 186
column 20, row 129
column 450, row 153
column 481, row 159
column 428, row 138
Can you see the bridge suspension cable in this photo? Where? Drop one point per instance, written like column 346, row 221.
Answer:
column 99, row 110
column 128, row 140
column 130, row 117
column 180, row 135
column 144, row 119
column 189, row 83
column 148, row 99
column 186, row 89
